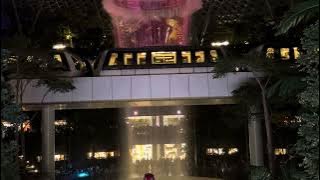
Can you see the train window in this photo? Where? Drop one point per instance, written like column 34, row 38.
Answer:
column 164, row 57
column 285, row 53
column 214, row 55
column 128, row 59
column 270, row 53
column 186, row 56
column 200, row 57
column 142, row 58
column 113, row 61
column 57, row 57
column 296, row 53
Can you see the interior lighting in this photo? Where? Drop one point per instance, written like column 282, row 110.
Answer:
column 233, row 151
column 178, row 112
column 83, row 174
column 60, row 122
column 224, row 43
column 135, row 113
column 237, row 69
column 59, row 46
column 7, row 124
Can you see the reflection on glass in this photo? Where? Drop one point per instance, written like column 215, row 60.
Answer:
column 285, row 53
column 57, row 57
column 280, row 151
column 296, row 53
column 214, row 55
column 164, row 57
column 142, row 58
column 199, row 57
column 128, row 59
column 175, row 151
column 113, row 61
column 141, row 152
column 215, row 151
column 172, row 120
column 186, row 56
column 270, row 53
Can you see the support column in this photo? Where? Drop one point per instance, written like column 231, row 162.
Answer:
column 48, row 142
column 255, row 136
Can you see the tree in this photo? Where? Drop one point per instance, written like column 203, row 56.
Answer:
column 300, row 13
column 263, row 85
column 307, row 145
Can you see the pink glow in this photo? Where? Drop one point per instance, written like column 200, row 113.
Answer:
column 140, row 23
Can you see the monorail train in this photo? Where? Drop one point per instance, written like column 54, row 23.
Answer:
column 71, row 65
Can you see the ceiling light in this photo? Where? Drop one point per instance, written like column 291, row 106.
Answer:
column 217, row 44
column 59, row 46
column 135, row 113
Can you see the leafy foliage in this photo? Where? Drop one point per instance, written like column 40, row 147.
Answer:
column 259, row 173
column 302, row 12
column 307, row 145
column 9, row 164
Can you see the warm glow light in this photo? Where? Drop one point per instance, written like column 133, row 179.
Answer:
column 135, row 113
column 224, row 43
column 233, row 151
column 59, row 157
column 215, row 151
column 59, row 46
column 101, row 155
column 141, row 152
column 60, row 122
column 178, row 112
column 280, row 151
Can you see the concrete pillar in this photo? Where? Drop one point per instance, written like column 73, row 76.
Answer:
column 48, row 142
column 255, row 136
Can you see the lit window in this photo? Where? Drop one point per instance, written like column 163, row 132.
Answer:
column 142, row 58
column 139, row 121
column 101, row 155
column 215, row 151
column 214, row 55
column 59, row 157
column 280, row 151
column 38, row 158
column 233, row 151
column 186, row 56
column 128, row 59
column 270, row 53
column 164, row 57
column 296, row 53
column 175, row 151
column 57, row 57
column 285, row 53
column 26, row 126
column 60, row 122
column 141, row 152
column 172, row 120
column 200, row 57
column 113, row 61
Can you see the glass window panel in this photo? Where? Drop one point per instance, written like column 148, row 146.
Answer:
column 296, row 53
column 142, row 58
column 270, row 53
column 59, row 157
column 164, row 57
column 128, row 59
column 139, row 121
column 186, row 56
column 285, row 53
column 175, row 151
column 172, row 120
column 200, row 57
column 113, row 61
column 141, row 152
column 233, row 151
column 214, row 55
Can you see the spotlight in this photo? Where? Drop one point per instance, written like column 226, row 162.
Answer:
column 178, row 112
column 135, row 113
column 237, row 69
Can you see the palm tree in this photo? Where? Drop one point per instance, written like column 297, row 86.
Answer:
column 302, row 12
